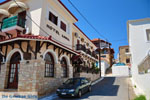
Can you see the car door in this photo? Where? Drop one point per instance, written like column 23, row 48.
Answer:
column 84, row 85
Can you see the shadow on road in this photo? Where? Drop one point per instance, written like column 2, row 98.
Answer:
column 104, row 88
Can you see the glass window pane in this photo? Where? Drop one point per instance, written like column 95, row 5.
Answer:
column 148, row 34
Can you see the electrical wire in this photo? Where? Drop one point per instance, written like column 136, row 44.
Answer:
column 87, row 21
column 41, row 27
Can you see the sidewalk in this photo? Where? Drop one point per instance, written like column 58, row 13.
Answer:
column 54, row 95
column 132, row 94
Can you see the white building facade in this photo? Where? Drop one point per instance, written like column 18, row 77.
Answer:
column 139, row 43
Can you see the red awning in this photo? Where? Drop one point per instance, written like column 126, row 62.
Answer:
column 77, row 59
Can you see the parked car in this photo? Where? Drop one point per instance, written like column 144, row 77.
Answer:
column 74, row 87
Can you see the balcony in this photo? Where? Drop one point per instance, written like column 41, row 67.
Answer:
column 88, row 51
column 13, row 24
column 94, row 55
column 81, row 47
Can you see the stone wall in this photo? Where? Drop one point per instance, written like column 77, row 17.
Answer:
column 46, row 85
column 90, row 76
column 2, row 77
column 27, row 75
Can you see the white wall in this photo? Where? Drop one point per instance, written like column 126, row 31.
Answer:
column 138, row 43
column 120, row 70
column 52, row 6
column 139, row 47
column 34, row 12
column 104, row 67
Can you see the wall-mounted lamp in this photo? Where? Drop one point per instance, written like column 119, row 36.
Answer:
column 27, row 62
column 41, row 56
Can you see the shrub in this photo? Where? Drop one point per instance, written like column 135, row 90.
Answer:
column 134, row 86
column 141, row 97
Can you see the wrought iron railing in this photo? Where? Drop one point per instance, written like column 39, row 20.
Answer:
column 13, row 21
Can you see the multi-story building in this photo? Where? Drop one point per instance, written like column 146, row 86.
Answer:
column 87, row 50
column 107, row 53
column 139, row 43
column 124, row 55
column 41, row 47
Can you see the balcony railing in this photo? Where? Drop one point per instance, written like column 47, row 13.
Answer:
column 81, row 47
column 88, row 51
column 94, row 55
column 13, row 21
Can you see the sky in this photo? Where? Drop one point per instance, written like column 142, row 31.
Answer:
column 109, row 17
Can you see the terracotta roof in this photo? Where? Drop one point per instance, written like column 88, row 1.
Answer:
column 124, row 46
column 38, row 37
column 96, row 40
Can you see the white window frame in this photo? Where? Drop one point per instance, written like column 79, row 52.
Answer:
column 60, row 18
column 147, row 35
column 67, row 31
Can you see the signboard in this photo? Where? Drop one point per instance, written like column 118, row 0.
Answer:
column 18, row 96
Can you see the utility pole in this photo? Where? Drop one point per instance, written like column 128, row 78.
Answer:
column 99, row 49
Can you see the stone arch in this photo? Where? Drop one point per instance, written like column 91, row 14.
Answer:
column 52, row 53
column 67, row 59
column 11, row 54
column 68, row 65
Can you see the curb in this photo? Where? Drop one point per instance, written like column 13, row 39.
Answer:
column 95, row 82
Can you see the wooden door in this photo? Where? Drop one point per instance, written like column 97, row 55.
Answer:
column 13, row 75
column 14, row 71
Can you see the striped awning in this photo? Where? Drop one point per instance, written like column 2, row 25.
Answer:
column 16, row 6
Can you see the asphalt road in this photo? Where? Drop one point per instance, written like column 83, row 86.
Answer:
column 110, row 88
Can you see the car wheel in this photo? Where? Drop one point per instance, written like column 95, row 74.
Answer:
column 89, row 89
column 79, row 93
column 59, row 96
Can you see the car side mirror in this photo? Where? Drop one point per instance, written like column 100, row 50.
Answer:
column 82, row 83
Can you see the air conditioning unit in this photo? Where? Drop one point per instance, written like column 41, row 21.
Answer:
column 76, row 35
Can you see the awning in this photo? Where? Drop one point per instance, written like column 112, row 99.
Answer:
column 17, row 5
column 4, row 13
column 77, row 59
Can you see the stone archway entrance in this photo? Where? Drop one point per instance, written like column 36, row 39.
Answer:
column 14, row 71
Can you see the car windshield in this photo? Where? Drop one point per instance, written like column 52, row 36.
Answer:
column 72, row 81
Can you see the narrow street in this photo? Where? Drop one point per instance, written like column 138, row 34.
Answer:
column 110, row 88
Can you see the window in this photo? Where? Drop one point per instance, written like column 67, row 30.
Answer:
column 103, row 56
column 127, row 50
column 63, row 26
column 49, row 65
column 105, row 52
column 148, row 34
column 53, row 18
column 128, row 60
